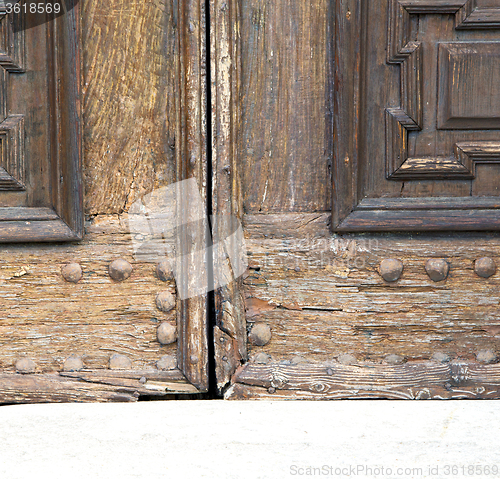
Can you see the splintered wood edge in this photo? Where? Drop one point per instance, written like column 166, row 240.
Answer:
column 412, row 380
column 92, row 386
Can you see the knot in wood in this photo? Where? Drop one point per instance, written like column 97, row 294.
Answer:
column 437, row 269
column 165, row 301
column 164, row 271
column 166, row 333
column 260, row 334
column 120, row 269
column 390, row 269
column 72, row 272
column 485, row 267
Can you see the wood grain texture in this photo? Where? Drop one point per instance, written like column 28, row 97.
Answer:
column 227, row 193
column 282, row 155
column 327, row 298
column 47, row 319
column 130, row 55
column 416, row 380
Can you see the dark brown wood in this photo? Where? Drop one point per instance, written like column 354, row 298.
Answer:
column 191, row 162
column 41, row 128
column 453, row 46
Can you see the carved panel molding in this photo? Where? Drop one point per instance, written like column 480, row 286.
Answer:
column 407, row 52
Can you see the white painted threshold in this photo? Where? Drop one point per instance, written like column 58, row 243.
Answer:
column 218, row 439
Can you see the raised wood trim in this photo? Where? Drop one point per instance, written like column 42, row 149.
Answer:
column 65, row 137
column 191, row 162
column 225, row 58
column 470, row 16
column 412, row 380
column 349, row 213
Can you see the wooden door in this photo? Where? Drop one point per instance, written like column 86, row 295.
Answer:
column 358, row 141
column 101, row 106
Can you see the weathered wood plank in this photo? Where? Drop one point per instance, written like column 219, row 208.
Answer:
column 414, row 380
column 281, row 155
column 325, row 296
column 130, row 53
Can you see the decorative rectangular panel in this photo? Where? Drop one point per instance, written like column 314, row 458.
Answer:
column 421, row 115
column 469, row 94
column 40, row 128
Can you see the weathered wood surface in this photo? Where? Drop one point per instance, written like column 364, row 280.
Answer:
column 413, row 380
column 282, row 157
column 130, row 55
column 92, row 385
column 46, row 318
column 323, row 296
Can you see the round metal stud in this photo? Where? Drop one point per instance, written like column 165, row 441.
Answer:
column 486, row 356
column 440, row 357
column 164, row 270
column 73, row 363
column 119, row 361
column 262, row 358
column 391, row 269
column 485, row 267
column 260, row 334
column 166, row 362
column 72, row 272
column 166, row 333
column 25, row 366
column 393, row 359
column 120, row 269
column 347, row 359
column 437, row 269
column 165, row 301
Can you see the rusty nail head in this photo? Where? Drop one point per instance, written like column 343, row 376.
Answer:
column 329, row 372
column 440, row 357
column 485, row 267
column 347, row 359
column 166, row 362
column 437, row 269
column 193, row 358
column 143, row 380
column 391, row 269
column 72, row 272
column 120, row 269
column 271, row 390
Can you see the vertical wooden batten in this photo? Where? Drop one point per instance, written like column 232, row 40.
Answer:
column 191, row 161
column 225, row 57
